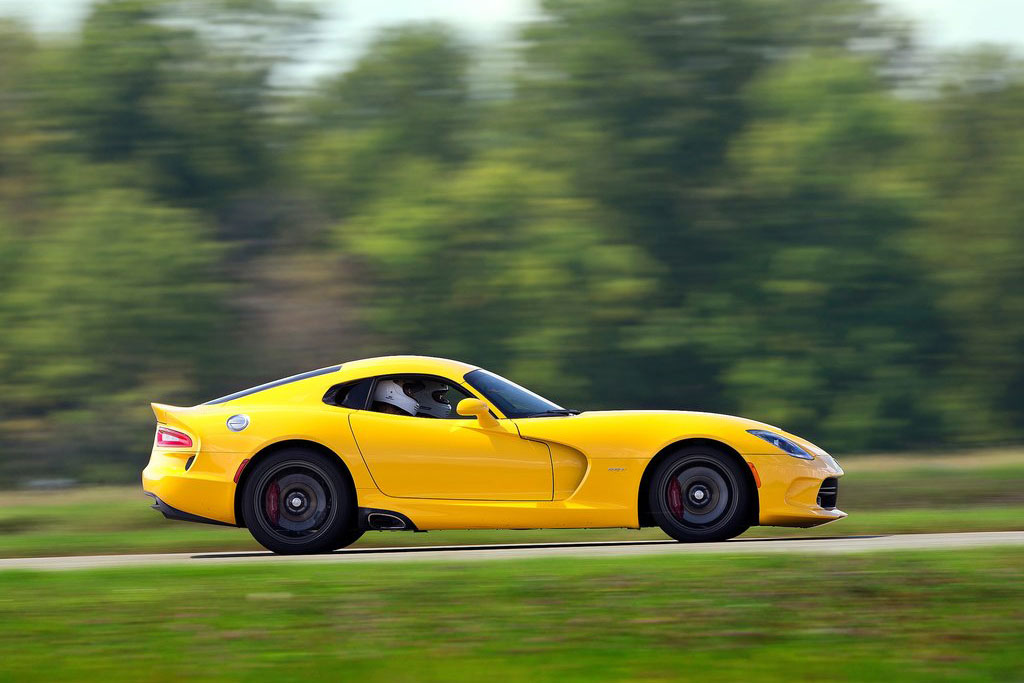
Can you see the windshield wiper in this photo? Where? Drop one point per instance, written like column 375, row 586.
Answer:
column 554, row 413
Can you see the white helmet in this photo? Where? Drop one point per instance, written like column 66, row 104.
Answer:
column 391, row 392
column 429, row 394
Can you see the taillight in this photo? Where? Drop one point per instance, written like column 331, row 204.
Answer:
column 172, row 438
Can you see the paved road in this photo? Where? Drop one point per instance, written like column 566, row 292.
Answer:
column 850, row 544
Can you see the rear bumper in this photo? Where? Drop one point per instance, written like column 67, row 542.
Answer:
column 174, row 513
column 203, row 493
column 790, row 487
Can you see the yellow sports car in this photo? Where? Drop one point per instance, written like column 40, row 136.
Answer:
column 410, row 443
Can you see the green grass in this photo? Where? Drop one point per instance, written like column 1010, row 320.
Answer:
column 878, row 617
column 975, row 492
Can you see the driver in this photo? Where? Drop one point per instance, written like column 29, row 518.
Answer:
column 430, row 396
column 415, row 397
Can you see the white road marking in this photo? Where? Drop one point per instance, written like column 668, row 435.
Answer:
column 853, row 544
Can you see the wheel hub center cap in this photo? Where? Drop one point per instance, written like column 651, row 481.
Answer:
column 699, row 495
column 296, row 502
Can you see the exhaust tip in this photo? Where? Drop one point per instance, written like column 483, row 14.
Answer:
column 376, row 519
column 385, row 521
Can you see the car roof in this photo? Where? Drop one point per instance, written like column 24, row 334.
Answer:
column 426, row 365
column 315, row 382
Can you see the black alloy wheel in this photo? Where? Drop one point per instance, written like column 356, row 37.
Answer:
column 296, row 501
column 700, row 494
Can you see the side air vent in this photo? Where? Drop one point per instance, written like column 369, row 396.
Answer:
column 188, row 463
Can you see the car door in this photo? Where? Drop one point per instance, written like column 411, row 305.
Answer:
column 456, row 459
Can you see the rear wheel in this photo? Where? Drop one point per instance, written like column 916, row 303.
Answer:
column 700, row 494
column 296, row 502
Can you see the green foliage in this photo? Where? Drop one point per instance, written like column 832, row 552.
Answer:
column 973, row 245
column 842, row 323
column 405, row 101
column 744, row 206
column 118, row 296
column 497, row 263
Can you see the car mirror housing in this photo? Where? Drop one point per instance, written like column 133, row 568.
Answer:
column 477, row 408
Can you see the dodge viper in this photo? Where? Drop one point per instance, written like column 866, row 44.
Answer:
column 409, row 443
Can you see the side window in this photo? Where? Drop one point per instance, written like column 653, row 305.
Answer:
column 356, row 395
column 350, row 395
column 417, row 396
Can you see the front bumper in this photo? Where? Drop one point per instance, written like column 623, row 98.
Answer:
column 791, row 492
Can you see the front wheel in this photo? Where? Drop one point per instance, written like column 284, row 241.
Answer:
column 297, row 502
column 699, row 494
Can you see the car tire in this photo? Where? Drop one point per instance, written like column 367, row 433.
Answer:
column 347, row 537
column 297, row 501
column 699, row 494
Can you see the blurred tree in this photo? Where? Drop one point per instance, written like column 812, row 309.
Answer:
column 157, row 83
column 405, row 99
column 17, row 52
column 640, row 102
column 497, row 264
column 643, row 97
column 110, row 293
column 746, row 206
column 841, row 332
column 411, row 83
column 974, row 245
column 101, row 309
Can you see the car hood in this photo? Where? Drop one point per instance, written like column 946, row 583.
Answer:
column 640, row 433
column 685, row 415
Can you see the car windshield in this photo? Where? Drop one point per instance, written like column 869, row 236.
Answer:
column 510, row 398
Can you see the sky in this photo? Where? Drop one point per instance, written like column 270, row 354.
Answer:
column 350, row 23
column 957, row 23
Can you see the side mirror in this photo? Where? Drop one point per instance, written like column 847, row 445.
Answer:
column 476, row 407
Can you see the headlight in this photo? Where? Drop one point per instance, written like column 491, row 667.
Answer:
column 782, row 443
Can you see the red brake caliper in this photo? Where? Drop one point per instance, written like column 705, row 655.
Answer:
column 675, row 498
column 273, row 494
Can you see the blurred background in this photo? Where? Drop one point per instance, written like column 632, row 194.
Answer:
column 807, row 212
